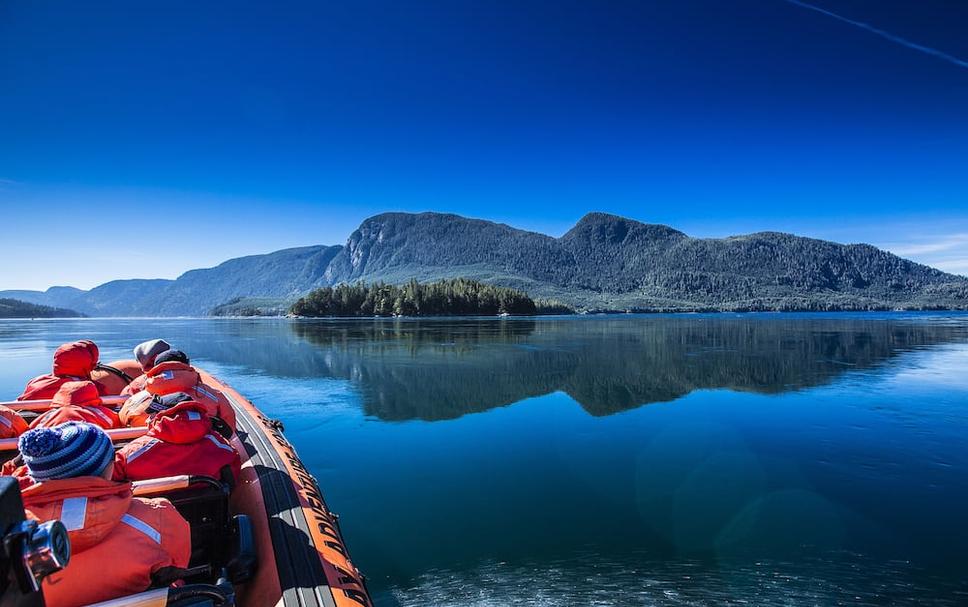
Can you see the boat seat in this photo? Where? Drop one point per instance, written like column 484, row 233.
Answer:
column 206, row 508
column 202, row 501
column 219, row 540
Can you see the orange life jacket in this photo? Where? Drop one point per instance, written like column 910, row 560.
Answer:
column 137, row 385
column 117, row 541
column 111, row 381
column 170, row 377
column 179, row 441
column 11, row 424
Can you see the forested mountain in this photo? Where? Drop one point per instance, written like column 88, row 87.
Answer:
column 115, row 298
column 609, row 262
column 604, row 263
column 395, row 247
column 284, row 275
column 14, row 308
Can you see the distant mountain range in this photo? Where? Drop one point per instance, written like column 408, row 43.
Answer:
column 604, row 262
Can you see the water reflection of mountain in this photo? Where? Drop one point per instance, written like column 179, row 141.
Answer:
column 436, row 370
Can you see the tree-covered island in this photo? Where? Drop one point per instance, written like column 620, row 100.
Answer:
column 452, row 297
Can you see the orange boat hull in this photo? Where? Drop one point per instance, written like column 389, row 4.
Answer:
column 303, row 560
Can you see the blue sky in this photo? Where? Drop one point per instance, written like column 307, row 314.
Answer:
column 142, row 139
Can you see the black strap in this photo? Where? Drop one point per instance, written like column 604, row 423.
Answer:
column 222, row 427
column 127, row 378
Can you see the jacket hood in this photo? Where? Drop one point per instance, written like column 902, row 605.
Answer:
column 89, row 506
column 75, row 359
column 165, row 378
column 184, row 423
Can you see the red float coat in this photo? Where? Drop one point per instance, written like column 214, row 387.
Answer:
column 117, row 541
column 77, row 401
column 179, row 441
column 72, row 362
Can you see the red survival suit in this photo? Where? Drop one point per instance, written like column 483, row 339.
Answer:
column 77, row 401
column 179, row 441
column 72, row 362
column 117, row 541
column 170, row 377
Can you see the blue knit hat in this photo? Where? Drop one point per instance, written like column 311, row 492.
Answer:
column 67, row 450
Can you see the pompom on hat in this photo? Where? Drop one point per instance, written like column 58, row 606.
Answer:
column 67, row 450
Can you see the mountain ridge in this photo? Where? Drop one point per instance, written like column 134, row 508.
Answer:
column 604, row 262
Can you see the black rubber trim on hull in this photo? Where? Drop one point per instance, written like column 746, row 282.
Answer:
column 301, row 575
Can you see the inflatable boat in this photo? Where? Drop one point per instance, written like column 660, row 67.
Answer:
column 270, row 541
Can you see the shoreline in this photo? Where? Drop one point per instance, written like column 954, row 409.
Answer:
column 597, row 314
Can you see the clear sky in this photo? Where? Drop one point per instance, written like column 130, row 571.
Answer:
column 142, row 139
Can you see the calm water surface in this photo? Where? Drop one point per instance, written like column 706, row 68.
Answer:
column 643, row 460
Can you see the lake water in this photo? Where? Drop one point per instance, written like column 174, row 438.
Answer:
column 633, row 460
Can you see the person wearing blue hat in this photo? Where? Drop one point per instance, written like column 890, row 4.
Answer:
column 67, row 477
